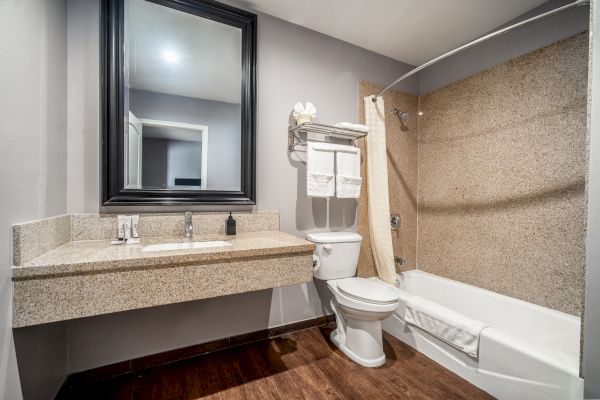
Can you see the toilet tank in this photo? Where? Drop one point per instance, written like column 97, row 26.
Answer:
column 336, row 254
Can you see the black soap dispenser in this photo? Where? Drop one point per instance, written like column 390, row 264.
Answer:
column 230, row 225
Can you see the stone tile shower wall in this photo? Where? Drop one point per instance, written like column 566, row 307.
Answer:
column 500, row 162
column 402, row 176
column 502, row 168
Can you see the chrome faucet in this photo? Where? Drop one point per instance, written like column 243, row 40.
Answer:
column 189, row 227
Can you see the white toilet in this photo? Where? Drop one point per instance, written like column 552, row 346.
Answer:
column 359, row 304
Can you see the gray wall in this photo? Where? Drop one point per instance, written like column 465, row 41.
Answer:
column 222, row 119
column 164, row 160
column 184, row 160
column 83, row 102
column 33, row 166
column 121, row 336
column 328, row 76
column 506, row 47
column 296, row 64
column 154, row 162
column 591, row 337
column 33, row 172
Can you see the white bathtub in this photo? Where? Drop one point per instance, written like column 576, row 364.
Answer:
column 527, row 352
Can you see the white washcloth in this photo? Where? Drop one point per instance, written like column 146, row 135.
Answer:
column 347, row 173
column 320, row 178
column 451, row 327
column 354, row 127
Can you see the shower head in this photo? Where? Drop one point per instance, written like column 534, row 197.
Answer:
column 403, row 116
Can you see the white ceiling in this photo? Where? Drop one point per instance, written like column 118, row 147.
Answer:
column 412, row 31
column 207, row 55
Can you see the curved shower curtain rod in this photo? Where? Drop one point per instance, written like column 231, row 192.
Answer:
column 482, row 39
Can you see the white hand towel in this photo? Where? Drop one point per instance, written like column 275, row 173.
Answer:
column 347, row 178
column 320, row 178
column 453, row 328
column 354, row 127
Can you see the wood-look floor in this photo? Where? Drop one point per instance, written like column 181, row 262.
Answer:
column 298, row 365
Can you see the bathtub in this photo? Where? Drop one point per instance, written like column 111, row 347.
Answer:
column 527, row 352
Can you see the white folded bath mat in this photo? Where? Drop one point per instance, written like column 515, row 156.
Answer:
column 453, row 328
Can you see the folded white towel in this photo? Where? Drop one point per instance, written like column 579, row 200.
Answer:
column 347, row 187
column 347, row 178
column 320, row 178
column 354, row 127
column 451, row 327
column 309, row 109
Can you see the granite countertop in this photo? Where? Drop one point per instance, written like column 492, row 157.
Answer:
column 96, row 256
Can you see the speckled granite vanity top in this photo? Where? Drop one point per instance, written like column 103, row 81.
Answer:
column 89, row 256
column 66, row 267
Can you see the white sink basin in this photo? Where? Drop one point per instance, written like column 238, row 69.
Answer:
column 186, row 245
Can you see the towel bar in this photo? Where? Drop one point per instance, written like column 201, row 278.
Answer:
column 318, row 132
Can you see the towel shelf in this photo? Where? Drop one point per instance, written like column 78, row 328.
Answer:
column 318, row 132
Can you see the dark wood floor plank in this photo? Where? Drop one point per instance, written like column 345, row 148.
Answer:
column 298, row 365
column 269, row 355
column 257, row 381
column 353, row 384
column 116, row 388
column 148, row 385
column 310, row 383
column 202, row 379
column 433, row 379
column 392, row 380
column 230, row 383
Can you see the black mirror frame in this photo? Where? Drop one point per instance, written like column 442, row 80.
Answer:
column 113, row 116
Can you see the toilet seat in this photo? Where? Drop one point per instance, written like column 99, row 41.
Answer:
column 359, row 304
column 359, row 309
column 367, row 290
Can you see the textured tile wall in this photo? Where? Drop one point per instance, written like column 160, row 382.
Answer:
column 32, row 239
column 103, row 226
column 502, row 168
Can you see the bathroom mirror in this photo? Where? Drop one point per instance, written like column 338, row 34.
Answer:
column 178, row 81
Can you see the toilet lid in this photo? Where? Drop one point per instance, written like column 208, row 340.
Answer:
column 368, row 290
column 334, row 237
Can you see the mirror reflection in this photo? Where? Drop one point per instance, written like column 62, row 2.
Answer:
column 183, row 78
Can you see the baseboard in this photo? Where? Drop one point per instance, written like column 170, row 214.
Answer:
column 153, row 360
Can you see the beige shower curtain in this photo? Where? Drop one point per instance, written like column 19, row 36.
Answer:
column 378, row 192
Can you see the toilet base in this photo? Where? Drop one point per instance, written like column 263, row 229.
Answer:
column 339, row 340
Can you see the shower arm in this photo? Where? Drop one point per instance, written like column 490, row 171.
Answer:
column 578, row 3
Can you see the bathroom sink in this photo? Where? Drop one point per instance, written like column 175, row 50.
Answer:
column 186, row 245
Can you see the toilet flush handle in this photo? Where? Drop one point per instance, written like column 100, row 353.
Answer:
column 327, row 247
column 316, row 263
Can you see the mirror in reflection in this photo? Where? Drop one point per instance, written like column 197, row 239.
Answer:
column 183, row 79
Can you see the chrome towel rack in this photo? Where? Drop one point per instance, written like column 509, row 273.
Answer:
column 299, row 135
